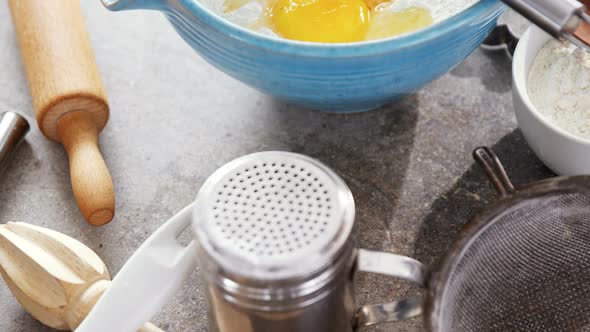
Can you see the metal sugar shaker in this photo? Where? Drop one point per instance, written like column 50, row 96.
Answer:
column 273, row 234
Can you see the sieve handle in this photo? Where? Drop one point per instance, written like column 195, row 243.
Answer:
column 145, row 283
column 501, row 39
column 496, row 173
column 396, row 266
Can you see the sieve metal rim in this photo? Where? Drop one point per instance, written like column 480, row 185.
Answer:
column 234, row 265
column 441, row 274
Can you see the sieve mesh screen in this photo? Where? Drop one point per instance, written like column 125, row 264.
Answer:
column 528, row 270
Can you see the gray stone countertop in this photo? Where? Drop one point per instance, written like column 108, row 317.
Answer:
column 175, row 119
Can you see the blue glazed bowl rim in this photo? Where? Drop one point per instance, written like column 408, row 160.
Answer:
column 365, row 48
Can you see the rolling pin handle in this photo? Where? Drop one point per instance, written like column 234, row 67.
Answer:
column 91, row 181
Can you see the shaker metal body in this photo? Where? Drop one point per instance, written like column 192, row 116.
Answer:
column 330, row 308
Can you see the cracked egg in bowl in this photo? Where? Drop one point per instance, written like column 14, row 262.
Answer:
column 332, row 55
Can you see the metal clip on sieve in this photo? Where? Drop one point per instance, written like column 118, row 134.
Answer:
column 559, row 18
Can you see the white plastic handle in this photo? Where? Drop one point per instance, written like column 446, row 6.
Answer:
column 145, row 283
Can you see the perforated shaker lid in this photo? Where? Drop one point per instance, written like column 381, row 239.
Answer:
column 273, row 215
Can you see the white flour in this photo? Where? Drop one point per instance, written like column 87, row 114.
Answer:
column 559, row 86
column 250, row 13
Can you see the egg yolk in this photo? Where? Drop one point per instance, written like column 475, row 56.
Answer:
column 335, row 21
column 329, row 21
column 386, row 23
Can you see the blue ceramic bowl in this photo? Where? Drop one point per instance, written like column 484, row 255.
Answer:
column 347, row 77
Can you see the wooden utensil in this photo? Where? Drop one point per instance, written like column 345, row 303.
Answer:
column 69, row 100
column 583, row 31
column 55, row 278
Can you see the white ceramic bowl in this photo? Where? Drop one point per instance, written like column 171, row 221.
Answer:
column 561, row 151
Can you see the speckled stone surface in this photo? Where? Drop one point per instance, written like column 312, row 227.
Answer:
column 175, row 119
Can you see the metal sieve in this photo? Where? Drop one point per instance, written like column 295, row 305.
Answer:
column 521, row 265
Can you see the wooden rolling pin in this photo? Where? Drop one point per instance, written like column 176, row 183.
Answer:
column 54, row 277
column 69, row 100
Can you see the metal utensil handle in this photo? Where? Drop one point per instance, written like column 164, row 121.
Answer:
column 13, row 128
column 556, row 17
column 496, row 173
column 147, row 281
column 392, row 265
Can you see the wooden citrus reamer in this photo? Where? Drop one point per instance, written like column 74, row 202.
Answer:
column 69, row 100
column 55, row 278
